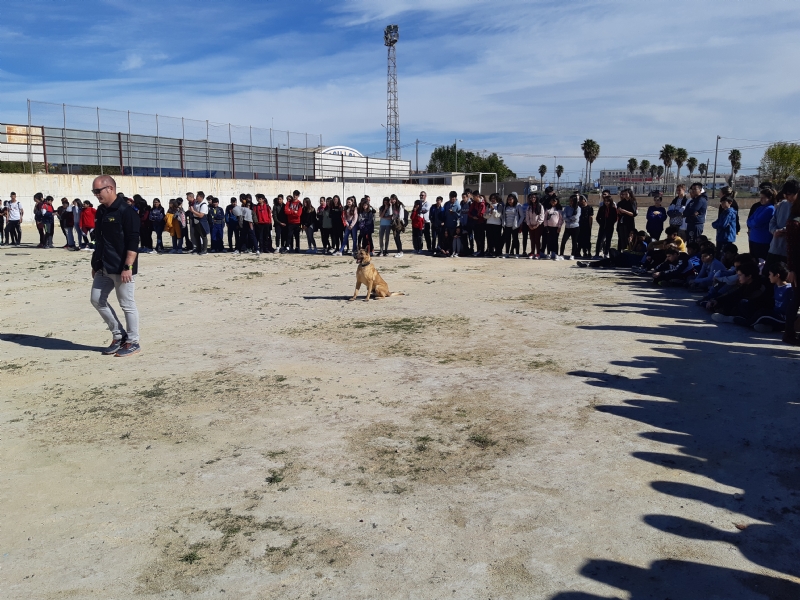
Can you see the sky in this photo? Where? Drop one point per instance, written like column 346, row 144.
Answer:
column 530, row 80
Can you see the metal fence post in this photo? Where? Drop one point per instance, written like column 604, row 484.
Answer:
column 182, row 145
column 208, row 160
column 64, row 137
column 30, row 141
column 99, row 149
column 158, row 148
column 130, row 159
column 252, row 172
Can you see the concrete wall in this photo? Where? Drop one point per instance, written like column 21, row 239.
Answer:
column 80, row 186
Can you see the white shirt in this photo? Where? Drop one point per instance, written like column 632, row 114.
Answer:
column 427, row 208
column 13, row 211
column 201, row 207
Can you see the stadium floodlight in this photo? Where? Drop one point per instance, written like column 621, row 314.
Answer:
column 391, row 35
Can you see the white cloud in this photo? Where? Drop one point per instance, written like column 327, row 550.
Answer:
column 133, row 61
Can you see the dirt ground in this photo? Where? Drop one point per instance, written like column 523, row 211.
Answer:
column 508, row 429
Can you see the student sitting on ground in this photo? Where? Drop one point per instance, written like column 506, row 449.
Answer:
column 672, row 269
column 727, row 280
column 782, row 294
column 657, row 251
column 709, row 267
column 744, row 304
column 631, row 256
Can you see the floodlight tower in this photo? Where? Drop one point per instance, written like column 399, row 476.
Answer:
column 390, row 37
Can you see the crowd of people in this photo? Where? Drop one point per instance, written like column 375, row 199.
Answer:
column 540, row 227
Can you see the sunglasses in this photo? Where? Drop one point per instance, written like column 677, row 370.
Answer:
column 97, row 191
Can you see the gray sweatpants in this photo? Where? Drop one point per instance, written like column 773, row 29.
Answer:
column 101, row 287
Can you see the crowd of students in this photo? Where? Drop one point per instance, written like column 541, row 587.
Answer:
column 755, row 289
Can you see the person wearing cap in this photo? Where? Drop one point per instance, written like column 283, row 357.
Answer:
column 115, row 263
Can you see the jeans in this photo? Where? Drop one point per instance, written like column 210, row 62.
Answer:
column 217, row 232
column 158, row 228
column 383, row 238
column 247, row 239
column 68, row 234
column 436, row 236
column 693, row 231
column 551, row 240
column 102, row 285
column 397, row 241
column 15, row 231
column 293, row 235
column 78, row 234
column 604, row 237
column 348, row 233
column 570, row 233
column 310, row 237
column 416, row 239
column 623, row 232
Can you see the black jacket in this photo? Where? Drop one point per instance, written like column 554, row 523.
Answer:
column 116, row 233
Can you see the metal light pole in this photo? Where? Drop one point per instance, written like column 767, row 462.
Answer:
column 455, row 170
column 390, row 37
column 714, row 180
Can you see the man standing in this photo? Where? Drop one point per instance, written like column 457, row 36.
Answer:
column 199, row 212
column 217, row 217
column 695, row 212
column 424, row 210
column 232, row 215
column 452, row 215
column 115, row 264
column 188, row 231
column 293, row 211
column 14, row 217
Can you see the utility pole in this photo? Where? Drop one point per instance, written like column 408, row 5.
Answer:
column 455, row 170
column 714, row 181
column 417, row 156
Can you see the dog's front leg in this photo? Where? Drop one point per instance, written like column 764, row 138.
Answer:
column 370, row 286
column 355, row 293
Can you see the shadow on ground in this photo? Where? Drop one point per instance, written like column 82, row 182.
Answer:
column 46, row 343
column 741, row 431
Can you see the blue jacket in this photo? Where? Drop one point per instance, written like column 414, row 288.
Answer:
column 706, row 275
column 758, row 223
column 572, row 217
column 698, row 205
column 655, row 222
column 726, row 226
column 436, row 214
column 452, row 214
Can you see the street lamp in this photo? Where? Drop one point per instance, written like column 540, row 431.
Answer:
column 456, row 163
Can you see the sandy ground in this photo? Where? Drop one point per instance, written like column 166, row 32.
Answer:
column 508, row 429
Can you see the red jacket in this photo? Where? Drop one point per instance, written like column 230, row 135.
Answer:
column 417, row 222
column 294, row 209
column 263, row 214
column 87, row 217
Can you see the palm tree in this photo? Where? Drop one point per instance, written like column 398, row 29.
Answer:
column 735, row 158
column 633, row 164
column 542, row 171
column 591, row 150
column 659, row 171
column 681, row 156
column 667, row 155
column 702, row 167
column 691, row 165
column 559, row 173
column 644, row 166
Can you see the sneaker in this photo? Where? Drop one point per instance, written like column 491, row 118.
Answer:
column 258, row 253
column 399, row 255
column 720, row 318
column 763, row 328
column 128, row 349
column 568, row 257
column 552, row 257
column 582, row 263
column 114, row 346
column 236, row 252
column 337, row 253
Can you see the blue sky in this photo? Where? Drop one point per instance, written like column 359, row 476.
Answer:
column 533, row 77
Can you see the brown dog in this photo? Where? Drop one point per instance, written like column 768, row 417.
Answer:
column 367, row 274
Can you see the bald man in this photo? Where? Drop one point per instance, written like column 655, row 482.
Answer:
column 115, row 264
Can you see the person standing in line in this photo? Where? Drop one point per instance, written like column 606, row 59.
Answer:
column 436, row 220
column 257, row 225
column 385, row 222
column 695, row 212
column 188, row 229
column 417, row 227
column 308, row 221
column 511, row 223
column 115, row 263
column 76, row 208
column 553, row 221
column 232, row 222
column 585, row 228
column 626, row 219
column 88, row 214
column 758, row 232
column 656, row 216
column 534, row 221
column 398, row 223
column 217, row 217
column 199, row 219
column 325, row 224
column 157, row 216
column 777, row 225
column 3, row 228
column 179, row 223
column 792, row 234
column 48, row 221
column 248, row 237
column 424, row 212
column 335, row 210
column 725, row 224
column 366, row 226
column 572, row 223
column 467, row 235
column 452, row 213
column 350, row 217
column 14, row 217
column 606, row 220
column 65, row 221
column 676, row 209
column 477, row 224
column 294, row 211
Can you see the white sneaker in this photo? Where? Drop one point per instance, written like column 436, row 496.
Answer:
column 568, row 257
column 258, row 253
column 236, row 252
column 337, row 253
column 399, row 255
column 559, row 258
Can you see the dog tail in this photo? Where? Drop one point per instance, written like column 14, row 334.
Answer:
column 397, row 293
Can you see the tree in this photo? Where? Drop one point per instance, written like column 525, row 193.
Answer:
column 703, row 167
column 633, row 164
column 591, row 150
column 691, row 165
column 542, row 171
column 559, row 173
column 660, row 171
column 443, row 161
column 681, row 156
column 780, row 162
column 654, row 171
column 644, row 167
column 667, row 155
column 735, row 158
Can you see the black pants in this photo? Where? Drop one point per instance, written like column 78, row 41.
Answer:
column 293, row 241
column 759, row 250
column 480, row 237
column 233, row 233
column 247, row 239
column 436, row 236
column 551, row 240
column 427, row 233
column 336, row 237
column 585, row 239
column 570, row 233
column 199, row 237
column 790, row 332
column 365, row 241
column 494, row 243
column 773, row 259
column 511, row 240
column 397, row 241
column 416, row 239
column 604, row 237
column 264, row 237
column 325, row 234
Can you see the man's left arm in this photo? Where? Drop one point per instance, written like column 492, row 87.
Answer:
column 130, row 229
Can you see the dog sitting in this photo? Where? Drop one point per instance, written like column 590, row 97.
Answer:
column 367, row 274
